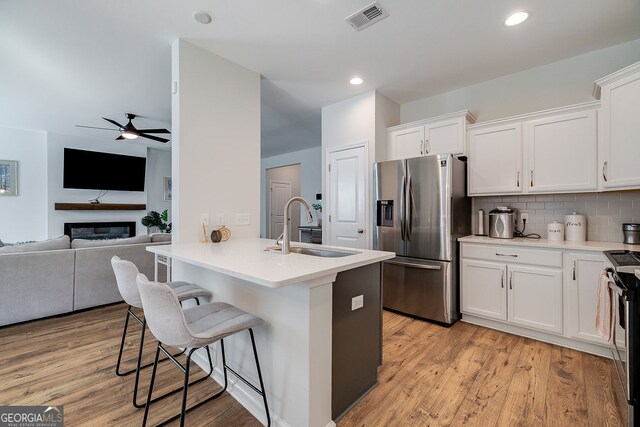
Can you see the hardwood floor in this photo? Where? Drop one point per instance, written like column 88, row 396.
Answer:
column 431, row 376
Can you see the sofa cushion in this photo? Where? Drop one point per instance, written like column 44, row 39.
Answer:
column 61, row 242
column 161, row 237
column 1, row 244
column 86, row 243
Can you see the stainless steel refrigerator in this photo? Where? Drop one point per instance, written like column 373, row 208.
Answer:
column 421, row 209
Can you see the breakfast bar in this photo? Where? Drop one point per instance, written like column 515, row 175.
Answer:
column 305, row 318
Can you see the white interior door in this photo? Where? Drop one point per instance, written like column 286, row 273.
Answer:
column 279, row 194
column 348, row 197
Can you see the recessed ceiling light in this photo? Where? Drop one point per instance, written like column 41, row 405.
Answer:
column 516, row 18
column 356, row 81
column 202, row 17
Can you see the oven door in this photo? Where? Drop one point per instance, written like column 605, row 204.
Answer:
column 622, row 386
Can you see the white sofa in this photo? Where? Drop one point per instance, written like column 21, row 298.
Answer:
column 54, row 277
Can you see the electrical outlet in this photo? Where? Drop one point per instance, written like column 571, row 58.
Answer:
column 524, row 217
column 243, row 219
column 357, row 302
column 220, row 219
column 204, row 219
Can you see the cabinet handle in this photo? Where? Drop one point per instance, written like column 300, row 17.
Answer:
column 511, row 280
column 518, row 179
column 502, row 280
column 421, row 148
column 574, row 269
column 510, row 255
column 532, row 178
column 426, row 146
column 604, row 170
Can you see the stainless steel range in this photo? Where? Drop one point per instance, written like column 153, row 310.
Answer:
column 626, row 310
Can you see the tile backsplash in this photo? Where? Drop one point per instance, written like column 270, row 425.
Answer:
column 605, row 212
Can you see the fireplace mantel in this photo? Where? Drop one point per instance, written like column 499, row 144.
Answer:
column 99, row 207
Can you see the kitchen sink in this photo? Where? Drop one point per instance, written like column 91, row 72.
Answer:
column 324, row 253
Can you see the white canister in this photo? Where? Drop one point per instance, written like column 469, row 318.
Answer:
column 555, row 231
column 575, row 227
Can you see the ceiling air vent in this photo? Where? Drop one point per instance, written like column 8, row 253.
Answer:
column 367, row 16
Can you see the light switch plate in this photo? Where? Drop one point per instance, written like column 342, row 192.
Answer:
column 357, row 302
column 204, row 219
column 220, row 219
column 243, row 219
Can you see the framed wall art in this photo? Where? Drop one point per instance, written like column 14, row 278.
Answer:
column 167, row 188
column 8, row 178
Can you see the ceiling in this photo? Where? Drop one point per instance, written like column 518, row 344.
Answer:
column 68, row 62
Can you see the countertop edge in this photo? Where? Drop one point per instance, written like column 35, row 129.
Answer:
column 589, row 245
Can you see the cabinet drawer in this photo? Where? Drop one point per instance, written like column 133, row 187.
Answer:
column 513, row 254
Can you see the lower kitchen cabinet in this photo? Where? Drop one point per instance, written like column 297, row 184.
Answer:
column 522, row 295
column 535, row 297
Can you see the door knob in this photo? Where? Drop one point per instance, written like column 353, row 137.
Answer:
column 360, row 231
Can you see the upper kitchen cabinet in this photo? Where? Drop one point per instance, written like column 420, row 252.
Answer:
column 619, row 128
column 561, row 153
column 495, row 159
column 438, row 135
column 552, row 151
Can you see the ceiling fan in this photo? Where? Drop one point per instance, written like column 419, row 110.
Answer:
column 129, row 131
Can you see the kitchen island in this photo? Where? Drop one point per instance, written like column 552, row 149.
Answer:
column 294, row 295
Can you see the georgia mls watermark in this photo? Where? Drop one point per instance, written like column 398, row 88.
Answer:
column 32, row 416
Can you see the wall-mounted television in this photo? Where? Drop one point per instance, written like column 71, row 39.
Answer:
column 93, row 170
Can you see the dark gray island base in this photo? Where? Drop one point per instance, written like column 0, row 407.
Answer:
column 357, row 337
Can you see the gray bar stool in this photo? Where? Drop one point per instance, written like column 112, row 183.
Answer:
column 126, row 273
column 193, row 328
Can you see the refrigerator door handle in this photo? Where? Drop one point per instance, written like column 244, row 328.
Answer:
column 402, row 213
column 408, row 264
column 409, row 208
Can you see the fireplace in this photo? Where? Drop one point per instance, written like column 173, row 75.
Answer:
column 99, row 230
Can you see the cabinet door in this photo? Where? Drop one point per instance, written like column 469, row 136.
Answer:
column 406, row 143
column 562, row 153
column 495, row 160
column 620, row 133
column 444, row 137
column 483, row 291
column 581, row 276
column 535, row 297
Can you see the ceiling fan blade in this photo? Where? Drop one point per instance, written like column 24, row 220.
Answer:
column 93, row 127
column 120, row 138
column 155, row 138
column 114, row 122
column 153, row 131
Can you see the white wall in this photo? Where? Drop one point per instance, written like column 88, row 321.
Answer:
column 24, row 217
column 310, row 161
column 216, row 143
column 56, row 143
column 158, row 166
column 561, row 83
column 360, row 118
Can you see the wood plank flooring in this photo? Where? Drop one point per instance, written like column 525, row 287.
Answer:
column 465, row 375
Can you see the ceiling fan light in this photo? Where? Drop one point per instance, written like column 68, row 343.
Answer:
column 517, row 18
column 129, row 135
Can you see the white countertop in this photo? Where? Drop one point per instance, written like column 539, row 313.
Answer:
column 544, row 243
column 247, row 259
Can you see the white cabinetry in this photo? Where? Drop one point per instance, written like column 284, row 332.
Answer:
column 619, row 128
column 516, row 291
column 561, row 153
column 581, row 281
column 438, row 135
column 552, row 151
column 495, row 160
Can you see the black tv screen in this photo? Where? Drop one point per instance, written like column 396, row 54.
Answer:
column 93, row 170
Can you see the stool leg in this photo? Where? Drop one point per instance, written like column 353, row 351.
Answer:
column 185, row 387
column 264, row 393
column 153, row 378
column 197, row 300
column 124, row 335
column 138, row 366
column 224, row 366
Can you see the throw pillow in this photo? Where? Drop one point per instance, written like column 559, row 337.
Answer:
column 61, row 242
column 160, row 237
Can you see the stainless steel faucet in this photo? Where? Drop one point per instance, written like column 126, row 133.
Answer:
column 286, row 244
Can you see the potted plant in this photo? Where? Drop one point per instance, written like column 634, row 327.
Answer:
column 158, row 221
column 318, row 208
